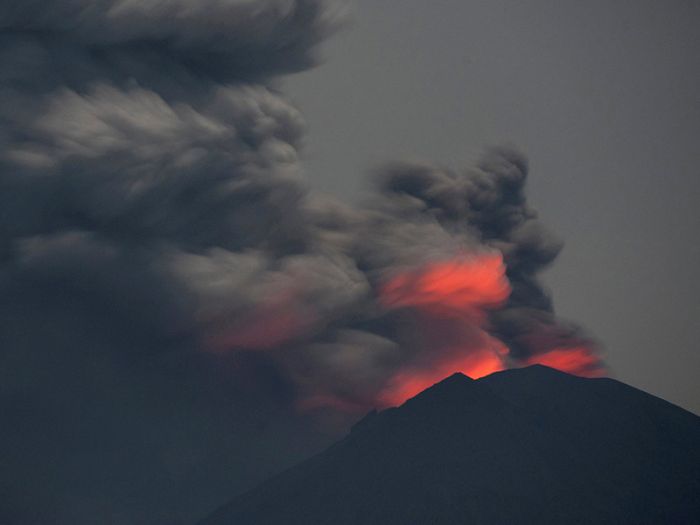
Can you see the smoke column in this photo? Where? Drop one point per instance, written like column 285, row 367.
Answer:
column 156, row 233
column 150, row 163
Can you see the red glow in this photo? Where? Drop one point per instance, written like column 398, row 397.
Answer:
column 410, row 382
column 580, row 361
column 453, row 297
column 467, row 284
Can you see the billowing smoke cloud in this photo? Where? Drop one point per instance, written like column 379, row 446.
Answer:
column 161, row 258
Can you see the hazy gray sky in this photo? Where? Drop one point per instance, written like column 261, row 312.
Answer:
column 604, row 97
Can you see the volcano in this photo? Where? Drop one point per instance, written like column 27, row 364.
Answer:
column 530, row 445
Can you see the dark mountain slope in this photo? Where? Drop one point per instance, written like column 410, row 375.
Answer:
column 531, row 445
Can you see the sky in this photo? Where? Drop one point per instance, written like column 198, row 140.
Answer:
column 603, row 98
column 215, row 257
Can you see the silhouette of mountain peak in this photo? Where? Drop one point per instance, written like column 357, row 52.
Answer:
column 457, row 377
column 461, row 388
column 523, row 446
column 456, row 396
column 539, row 369
column 455, row 385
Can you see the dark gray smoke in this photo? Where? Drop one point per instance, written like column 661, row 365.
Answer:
column 170, row 289
column 491, row 203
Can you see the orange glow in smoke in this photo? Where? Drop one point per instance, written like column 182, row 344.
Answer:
column 580, row 361
column 468, row 284
column 409, row 383
column 460, row 290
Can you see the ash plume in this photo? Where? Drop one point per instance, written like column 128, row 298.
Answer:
column 161, row 254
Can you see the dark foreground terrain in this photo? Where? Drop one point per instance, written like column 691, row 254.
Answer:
column 531, row 445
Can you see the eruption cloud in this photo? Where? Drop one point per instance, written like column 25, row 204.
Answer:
column 151, row 179
column 175, row 301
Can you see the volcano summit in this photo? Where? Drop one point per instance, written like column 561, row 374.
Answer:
column 530, row 445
